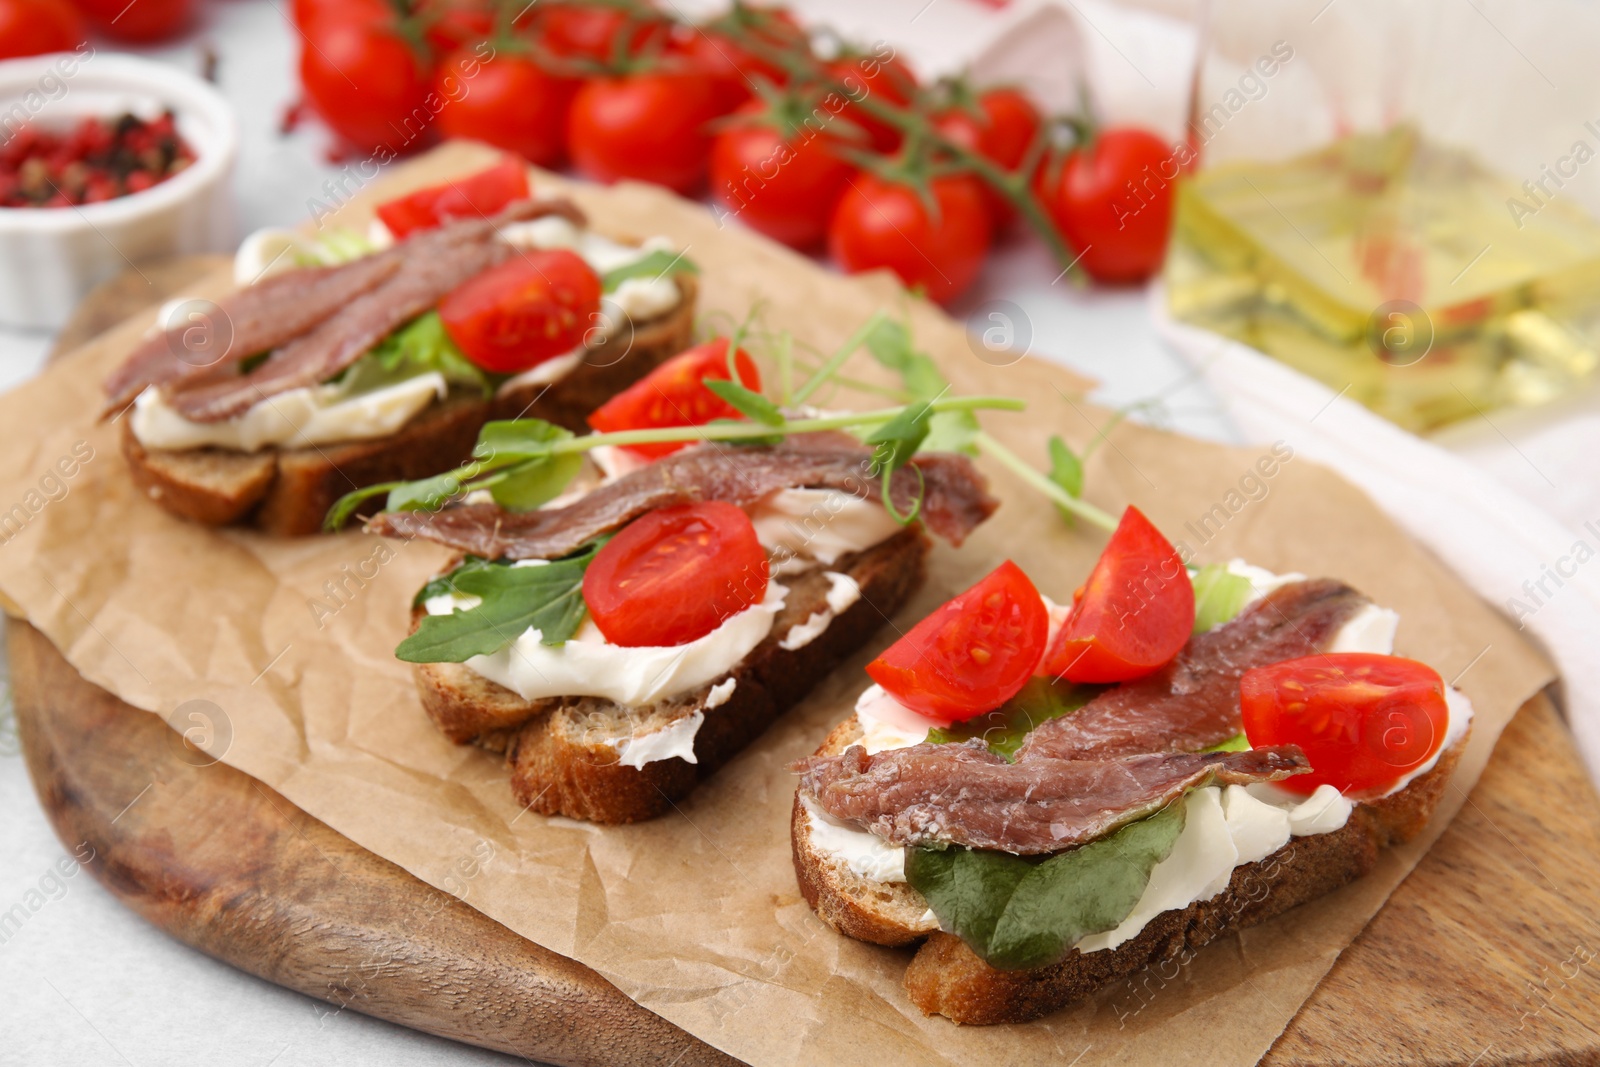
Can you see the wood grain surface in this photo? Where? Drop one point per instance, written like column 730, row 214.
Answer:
column 1488, row 954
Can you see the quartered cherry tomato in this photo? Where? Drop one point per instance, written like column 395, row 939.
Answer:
column 880, row 223
column 1363, row 720
column 528, row 309
column 1001, row 126
column 674, row 394
column 1134, row 613
column 476, row 195
column 365, row 80
column 1112, row 201
column 509, row 101
column 34, row 27
column 675, row 574
column 971, row 655
column 652, row 126
column 777, row 178
column 885, row 78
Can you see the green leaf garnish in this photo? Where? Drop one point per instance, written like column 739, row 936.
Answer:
column 1236, row 743
column 1219, row 596
column 507, row 440
column 1066, row 470
column 427, row 494
column 950, row 431
column 547, row 597
column 1018, row 913
column 1005, row 728
column 651, row 265
column 347, row 505
column 419, row 347
column 747, row 402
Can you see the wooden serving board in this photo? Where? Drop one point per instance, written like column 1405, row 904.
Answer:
column 1487, row 954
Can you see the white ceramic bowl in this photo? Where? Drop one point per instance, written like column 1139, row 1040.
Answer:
column 51, row 257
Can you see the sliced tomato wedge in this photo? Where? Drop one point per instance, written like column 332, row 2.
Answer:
column 1134, row 613
column 528, row 309
column 675, row 574
column 1363, row 720
column 674, row 394
column 484, row 193
column 971, row 655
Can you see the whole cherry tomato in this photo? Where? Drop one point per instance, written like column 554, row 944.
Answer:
column 881, row 223
column 1001, row 125
column 1112, row 201
column 306, row 12
column 651, row 126
column 1363, row 720
column 366, row 82
column 509, row 101
column 778, row 177
column 880, row 76
column 35, row 27
column 1134, row 613
column 674, row 394
column 594, row 31
column 144, row 22
column 484, row 193
column 971, row 655
column 531, row 308
column 712, row 50
column 455, row 24
column 675, row 574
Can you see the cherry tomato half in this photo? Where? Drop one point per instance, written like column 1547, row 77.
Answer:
column 651, row 127
column 510, row 102
column 1121, row 232
column 880, row 223
column 365, row 81
column 531, row 308
column 674, row 394
column 35, row 27
column 1134, row 613
column 1363, row 720
column 1001, row 127
column 783, row 183
column 971, row 655
column 484, row 193
column 675, row 574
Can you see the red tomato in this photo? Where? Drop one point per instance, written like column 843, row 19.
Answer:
column 1362, row 720
column 144, row 22
column 306, row 12
column 366, row 82
column 971, row 655
column 591, row 31
column 651, row 127
column 510, row 102
column 1134, row 613
column 1112, row 201
column 880, row 223
column 783, row 186
column 484, row 193
column 35, row 27
column 710, row 50
column 887, row 79
column 674, row 394
column 1004, row 129
column 675, row 574
column 530, row 308
column 454, row 24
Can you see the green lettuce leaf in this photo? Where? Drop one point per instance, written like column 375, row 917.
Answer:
column 651, row 265
column 1005, row 728
column 1236, row 743
column 1019, row 913
column 549, row 597
column 418, row 347
column 1219, row 595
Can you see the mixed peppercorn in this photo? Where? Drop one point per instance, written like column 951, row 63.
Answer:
column 96, row 160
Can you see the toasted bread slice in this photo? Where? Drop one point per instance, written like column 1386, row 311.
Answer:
column 288, row 492
column 945, row 977
column 562, row 752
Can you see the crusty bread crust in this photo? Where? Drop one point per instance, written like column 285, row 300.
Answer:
column 945, row 977
column 287, row 492
column 561, row 751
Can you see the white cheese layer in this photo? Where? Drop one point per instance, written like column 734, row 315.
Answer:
column 820, row 524
column 299, row 418
column 866, row 855
column 843, row 591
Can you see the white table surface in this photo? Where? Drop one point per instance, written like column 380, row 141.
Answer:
column 86, row 982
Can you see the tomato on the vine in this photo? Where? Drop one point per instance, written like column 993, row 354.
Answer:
column 884, row 223
column 713, row 50
column 485, row 192
column 675, row 574
column 144, row 22
column 35, row 27
column 971, row 655
column 453, row 24
column 674, row 394
column 652, row 126
column 1134, row 613
column 596, row 32
column 778, row 176
column 1001, row 125
column 1363, row 720
column 531, row 308
column 511, row 102
column 365, row 81
column 307, row 12
column 1112, row 201
column 878, row 77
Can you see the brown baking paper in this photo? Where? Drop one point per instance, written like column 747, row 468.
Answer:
column 695, row 915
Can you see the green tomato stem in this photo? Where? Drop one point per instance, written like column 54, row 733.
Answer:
column 842, row 353
column 1010, row 460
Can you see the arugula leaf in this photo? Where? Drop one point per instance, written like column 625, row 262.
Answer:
column 424, row 495
column 948, row 431
column 347, row 505
column 530, row 474
column 547, row 597
column 749, row 403
column 1018, row 913
column 1005, row 728
column 418, row 347
column 1219, row 596
column 894, row 443
column 1066, row 470
column 652, row 265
